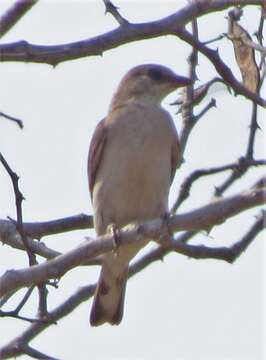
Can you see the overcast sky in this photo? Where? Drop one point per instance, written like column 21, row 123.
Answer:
column 177, row 309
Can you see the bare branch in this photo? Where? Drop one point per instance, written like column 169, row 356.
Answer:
column 86, row 292
column 14, row 14
column 9, row 236
column 228, row 254
column 53, row 55
column 188, row 92
column 210, row 105
column 14, row 315
column 253, row 129
column 202, row 218
column 19, row 198
column 24, row 300
column 37, row 230
column 219, row 37
column 35, row 354
column 17, row 121
column 113, row 10
column 185, row 187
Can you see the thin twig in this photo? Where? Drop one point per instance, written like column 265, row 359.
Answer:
column 219, row 37
column 210, row 105
column 42, row 309
column 17, row 121
column 24, row 300
column 28, row 350
column 14, row 14
column 19, row 198
column 185, row 187
column 254, row 126
column 14, row 315
column 188, row 119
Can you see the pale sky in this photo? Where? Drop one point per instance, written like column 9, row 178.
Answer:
column 178, row 309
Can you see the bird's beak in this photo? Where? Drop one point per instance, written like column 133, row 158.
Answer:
column 180, row 81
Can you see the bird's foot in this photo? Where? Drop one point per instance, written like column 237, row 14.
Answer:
column 167, row 236
column 114, row 230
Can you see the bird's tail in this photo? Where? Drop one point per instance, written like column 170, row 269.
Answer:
column 108, row 302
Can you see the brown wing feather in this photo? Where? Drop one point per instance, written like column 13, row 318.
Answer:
column 95, row 152
column 175, row 156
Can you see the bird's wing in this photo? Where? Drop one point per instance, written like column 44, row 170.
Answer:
column 175, row 155
column 95, row 152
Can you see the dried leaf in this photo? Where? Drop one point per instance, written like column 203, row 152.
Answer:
column 244, row 54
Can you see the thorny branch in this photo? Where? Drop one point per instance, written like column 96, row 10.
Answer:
column 42, row 309
column 171, row 25
column 19, row 198
column 242, row 165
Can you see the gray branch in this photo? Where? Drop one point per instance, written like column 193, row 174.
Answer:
column 200, row 219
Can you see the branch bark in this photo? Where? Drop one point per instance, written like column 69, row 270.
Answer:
column 125, row 33
column 14, row 14
column 200, row 219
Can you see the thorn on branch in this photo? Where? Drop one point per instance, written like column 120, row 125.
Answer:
column 113, row 10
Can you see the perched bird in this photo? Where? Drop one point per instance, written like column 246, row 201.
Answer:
column 133, row 157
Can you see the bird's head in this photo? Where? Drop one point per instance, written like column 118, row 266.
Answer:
column 148, row 83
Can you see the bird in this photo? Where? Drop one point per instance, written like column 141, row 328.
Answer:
column 133, row 156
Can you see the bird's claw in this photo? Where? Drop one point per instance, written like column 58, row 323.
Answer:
column 166, row 238
column 115, row 232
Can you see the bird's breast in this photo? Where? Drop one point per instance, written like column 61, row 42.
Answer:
column 133, row 179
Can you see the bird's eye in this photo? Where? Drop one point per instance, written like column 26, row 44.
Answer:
column 155, row 74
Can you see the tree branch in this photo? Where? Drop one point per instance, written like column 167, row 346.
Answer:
column 14, row 14
column 200, row 219
column 83, row 294
column 185, row 187
column 17, row 121
column 53, row 55
column 9, row 236
column 188, row 119
column 19, row 198
column 37, row 230
column 113, row 10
